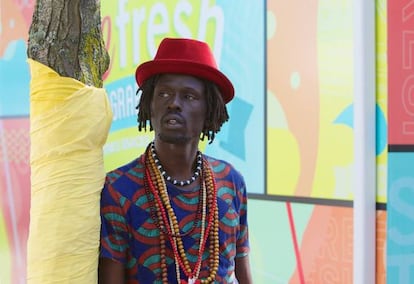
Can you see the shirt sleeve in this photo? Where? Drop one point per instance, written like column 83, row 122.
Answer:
column 242, row 244
column 114, row 228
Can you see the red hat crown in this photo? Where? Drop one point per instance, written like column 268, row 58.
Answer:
column 186, row 56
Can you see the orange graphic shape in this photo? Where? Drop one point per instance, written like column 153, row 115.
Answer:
column 292, row 55
column 327, row 247
column 15, row 20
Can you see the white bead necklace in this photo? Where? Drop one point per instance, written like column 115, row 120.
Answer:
column 167, row 177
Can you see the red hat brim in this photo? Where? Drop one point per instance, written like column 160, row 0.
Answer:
column 174, row 66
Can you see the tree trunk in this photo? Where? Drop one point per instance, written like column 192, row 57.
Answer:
column 66, row 36
column 69, row 125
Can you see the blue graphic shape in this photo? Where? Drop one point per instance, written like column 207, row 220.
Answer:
column 242, row 59
column 123, row 99
column 381, row 128
column 14, row 81
column 236, row 131
column 346, row 117
column 400, row 218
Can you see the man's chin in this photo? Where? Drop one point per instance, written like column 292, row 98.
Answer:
column 173, row 139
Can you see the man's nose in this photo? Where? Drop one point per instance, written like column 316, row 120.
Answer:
column 175, row 102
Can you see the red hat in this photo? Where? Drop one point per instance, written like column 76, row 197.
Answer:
column 186, row 56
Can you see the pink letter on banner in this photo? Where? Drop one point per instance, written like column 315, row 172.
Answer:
column 401, row 72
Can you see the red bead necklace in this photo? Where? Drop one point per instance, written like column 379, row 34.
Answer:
column 164, row 217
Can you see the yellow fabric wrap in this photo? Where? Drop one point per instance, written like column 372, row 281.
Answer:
column 69, row 124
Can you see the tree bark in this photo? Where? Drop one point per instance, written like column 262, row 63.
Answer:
column 66, row 36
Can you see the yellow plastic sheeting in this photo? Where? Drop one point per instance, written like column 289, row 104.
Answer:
column 69, row 125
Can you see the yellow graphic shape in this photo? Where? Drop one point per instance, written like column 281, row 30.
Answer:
column 125, row 145
column 382, row 91
column 335, row 162
column 5, row 257
column 283, row 163
column 334, row 170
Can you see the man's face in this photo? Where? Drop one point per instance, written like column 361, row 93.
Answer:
column 178, row 108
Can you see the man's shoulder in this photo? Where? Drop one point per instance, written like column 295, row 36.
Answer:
column 214, row 161
column 222, row 167
column 133, row 169
column 123, row 182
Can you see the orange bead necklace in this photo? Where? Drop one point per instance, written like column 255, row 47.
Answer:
column 165, row 218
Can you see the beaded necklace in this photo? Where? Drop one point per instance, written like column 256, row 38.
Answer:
column 165, row 218
column 167, row 177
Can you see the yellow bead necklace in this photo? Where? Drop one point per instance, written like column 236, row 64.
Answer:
column 167, row 222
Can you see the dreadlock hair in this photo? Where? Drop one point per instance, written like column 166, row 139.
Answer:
column 216, row 111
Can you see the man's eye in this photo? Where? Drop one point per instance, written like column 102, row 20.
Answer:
column 163, row 94
column 190, row 97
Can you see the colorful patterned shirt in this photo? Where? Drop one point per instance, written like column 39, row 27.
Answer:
column 130, row 236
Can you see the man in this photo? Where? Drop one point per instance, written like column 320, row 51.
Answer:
column 174, row 215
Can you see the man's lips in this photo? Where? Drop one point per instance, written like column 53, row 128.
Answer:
column 173, row 119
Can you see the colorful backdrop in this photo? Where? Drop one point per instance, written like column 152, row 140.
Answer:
column 290, row 132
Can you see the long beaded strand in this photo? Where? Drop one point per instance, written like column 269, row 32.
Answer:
column 171, row 223
column 183, row 261
column 203, row 227
column 203, row 220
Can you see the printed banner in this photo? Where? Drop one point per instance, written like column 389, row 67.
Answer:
column 291, row 123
